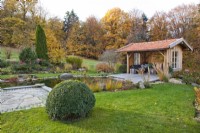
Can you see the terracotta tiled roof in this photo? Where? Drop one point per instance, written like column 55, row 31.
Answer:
column 148, row 46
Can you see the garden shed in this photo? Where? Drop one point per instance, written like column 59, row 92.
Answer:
column 163, row 54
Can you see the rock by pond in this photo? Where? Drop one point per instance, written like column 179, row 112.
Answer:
column 66, row 76
column 175, row 81
column 141, row 85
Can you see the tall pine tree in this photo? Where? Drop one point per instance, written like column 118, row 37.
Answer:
column 41, row 44
column 71, row 19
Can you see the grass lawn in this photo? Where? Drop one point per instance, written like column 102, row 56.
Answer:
column 39, row 75
column 14, row 53
column 46, row 75
column 7, row 76
column 90, row 64
column 163, row 108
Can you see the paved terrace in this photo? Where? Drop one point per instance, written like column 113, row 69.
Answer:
column 135, row 78
column 23, row 97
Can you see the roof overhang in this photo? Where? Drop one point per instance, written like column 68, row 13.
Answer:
column 172, row 44
column 182, row 42
column 149, row 50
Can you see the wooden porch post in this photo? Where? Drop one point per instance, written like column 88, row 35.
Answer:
column 128, row 55
column 127, row 62
column 165, row 63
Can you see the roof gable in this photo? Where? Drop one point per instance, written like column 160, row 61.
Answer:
column 154, row 45
column 182, row 42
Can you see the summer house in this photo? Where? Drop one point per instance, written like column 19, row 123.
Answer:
column 163, row 54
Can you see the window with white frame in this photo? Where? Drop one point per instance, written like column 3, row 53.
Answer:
column 175, row 59
column 136, row 58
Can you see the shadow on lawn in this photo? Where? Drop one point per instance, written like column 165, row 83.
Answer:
column 107, row 120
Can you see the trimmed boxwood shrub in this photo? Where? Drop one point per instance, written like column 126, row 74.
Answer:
column 70, row 100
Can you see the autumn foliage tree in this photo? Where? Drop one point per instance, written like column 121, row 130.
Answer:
column 56, row 26
column 192, row 35
column 12, row 31
column 75, row 40
column 56, row 53
column 159, row 26
column 41, row 44
column 17, row 22
column 25, row 7
column 139, row 28
column 180, row 19
column 86, row 39
column 93, row 37
column 116, row 24
column 8, row 8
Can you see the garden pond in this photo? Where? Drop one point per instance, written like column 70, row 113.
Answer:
column 96, row 84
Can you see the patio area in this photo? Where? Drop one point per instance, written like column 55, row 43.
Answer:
column 23, row 97
column 135, row 78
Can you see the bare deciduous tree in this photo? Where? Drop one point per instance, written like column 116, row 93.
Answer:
column 110, row 56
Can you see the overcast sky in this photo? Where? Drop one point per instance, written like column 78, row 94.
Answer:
column 98, row 8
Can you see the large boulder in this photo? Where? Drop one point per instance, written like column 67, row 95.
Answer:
column 66, row 76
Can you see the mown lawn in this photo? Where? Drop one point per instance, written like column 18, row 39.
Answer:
column 90, row 64
column 48, row 75
column 39, row 75
column 14, row 53
column 163, row 108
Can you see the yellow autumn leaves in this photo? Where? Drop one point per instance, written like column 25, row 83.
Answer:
column 55, row 52
column 116, row 24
